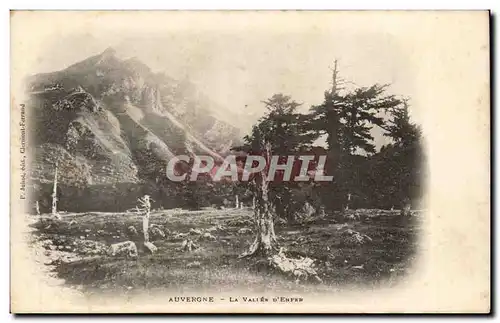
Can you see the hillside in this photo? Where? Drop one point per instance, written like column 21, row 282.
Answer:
column 108, row 121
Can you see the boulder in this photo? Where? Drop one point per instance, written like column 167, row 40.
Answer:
column 245, row 231
column 126, row 248
column 208, row 236
column 195, row 231
column 131, row 230
column 188, row 245
column 157, row 233
column 180, row 235
column 215, row 228
column 194, row 264
column 150, row 247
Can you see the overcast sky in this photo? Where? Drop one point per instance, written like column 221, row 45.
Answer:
column 240, row 62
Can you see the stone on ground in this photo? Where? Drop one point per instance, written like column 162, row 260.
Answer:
column 157, row 233
column 126, row 248
column 150, row 247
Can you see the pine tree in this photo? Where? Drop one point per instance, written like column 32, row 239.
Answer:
column 347, row 118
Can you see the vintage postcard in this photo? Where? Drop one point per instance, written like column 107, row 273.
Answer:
column 250, row 162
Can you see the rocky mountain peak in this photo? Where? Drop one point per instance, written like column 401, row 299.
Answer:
column 120, row 121
column 109, row 52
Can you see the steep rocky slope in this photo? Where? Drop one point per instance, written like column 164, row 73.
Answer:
column 107, row 121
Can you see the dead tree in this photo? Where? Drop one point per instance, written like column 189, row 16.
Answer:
column 265, row 239
column 348, row 202
column 145, row 205
column 54, row 195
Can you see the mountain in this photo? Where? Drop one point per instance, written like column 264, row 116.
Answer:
column 105, row 120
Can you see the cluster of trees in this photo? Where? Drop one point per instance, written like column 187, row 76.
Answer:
column 363, row 176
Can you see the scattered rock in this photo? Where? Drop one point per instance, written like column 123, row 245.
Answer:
column 150, row 247
column 208, row 236
column 157, row 233
column 91, row 247
column 46, row 243
column 188, row 245
column 301, row 268
column 240, row 223
column 194, row 264
column 354, row 237
column 180, row 235
column 131, row 230
column 352, row 216
column 245, row 231
column 342, row 226
column 215, row 228
column 126, row 248
column 195, row 231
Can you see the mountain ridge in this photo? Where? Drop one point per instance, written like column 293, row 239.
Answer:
column 112, row 120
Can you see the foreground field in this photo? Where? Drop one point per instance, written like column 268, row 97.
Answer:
column 75, row 249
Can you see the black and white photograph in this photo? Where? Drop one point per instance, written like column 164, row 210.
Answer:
column 242, row 161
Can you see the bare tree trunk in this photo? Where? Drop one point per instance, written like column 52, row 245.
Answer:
column 145, row 218
column 145, row 226
column 54, row 194
column 265, row 236
column 348, row 201
column 146, row 207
